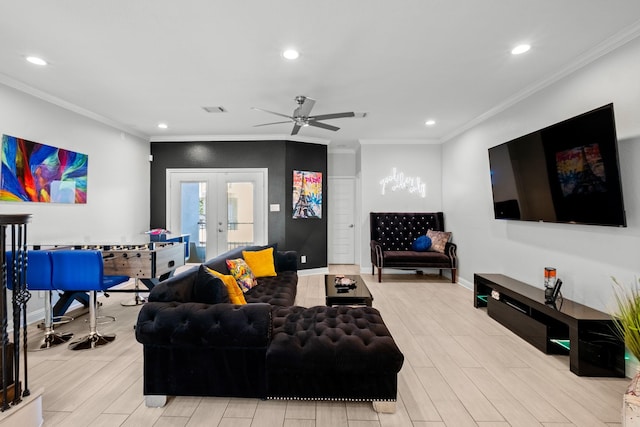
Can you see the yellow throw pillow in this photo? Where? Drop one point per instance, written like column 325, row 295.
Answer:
column 235, row 293
column 260, row 262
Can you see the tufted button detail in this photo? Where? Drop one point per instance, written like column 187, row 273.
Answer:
column 397, row 231
column 331, row 341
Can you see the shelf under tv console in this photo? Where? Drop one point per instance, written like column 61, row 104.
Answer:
column 586, row 334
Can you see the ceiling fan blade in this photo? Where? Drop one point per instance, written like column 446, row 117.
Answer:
column 304, row 109
column 322, row 125
column 272, row 123
column 272, row 112
column 332, row 116
column 296, row 129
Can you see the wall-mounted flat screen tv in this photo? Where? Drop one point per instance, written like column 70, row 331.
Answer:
column 566, row 173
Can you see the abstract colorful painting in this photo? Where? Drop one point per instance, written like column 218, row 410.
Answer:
column 581, row 170
column 34, row 172
column 307, row 194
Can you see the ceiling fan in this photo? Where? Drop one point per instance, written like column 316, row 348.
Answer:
column 302, row 118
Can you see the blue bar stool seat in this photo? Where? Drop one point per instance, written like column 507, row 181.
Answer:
column 83, row 270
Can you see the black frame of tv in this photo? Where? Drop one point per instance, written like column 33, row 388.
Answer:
column 565, row 173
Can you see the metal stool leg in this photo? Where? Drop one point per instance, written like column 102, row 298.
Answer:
column 51, row 338
column 101, row 320
column 94, row 339
column 137, row 299
column 61, row 320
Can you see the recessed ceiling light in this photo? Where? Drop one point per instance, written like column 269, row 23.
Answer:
column 162, row 125
column 520, row 49
column 430, row 122
column 35, row 60
column 291, row 54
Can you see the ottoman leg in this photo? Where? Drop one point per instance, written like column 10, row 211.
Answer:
column 385, row 407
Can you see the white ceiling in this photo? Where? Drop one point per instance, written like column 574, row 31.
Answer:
column 137, row 63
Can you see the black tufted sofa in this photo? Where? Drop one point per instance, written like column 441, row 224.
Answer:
column 267, row 348
column 198, row 349
column 392, row 235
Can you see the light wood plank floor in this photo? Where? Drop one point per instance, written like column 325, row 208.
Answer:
column 461, row 369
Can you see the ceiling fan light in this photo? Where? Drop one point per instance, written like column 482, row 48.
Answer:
column 430, row 122
column 291, row 54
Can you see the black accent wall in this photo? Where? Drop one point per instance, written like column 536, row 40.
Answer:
column 306, row 236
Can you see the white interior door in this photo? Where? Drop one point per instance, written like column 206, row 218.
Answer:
column 219, row 208
column 341, row 220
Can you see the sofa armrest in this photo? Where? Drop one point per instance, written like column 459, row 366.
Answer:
column 450, row 250
column 286, row 261
column 178, row 288
column 204, row 325
column 377, row 258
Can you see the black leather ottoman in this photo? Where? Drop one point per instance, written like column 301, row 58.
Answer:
column 332, row 353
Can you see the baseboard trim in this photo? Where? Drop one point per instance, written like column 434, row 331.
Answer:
column 312, row 271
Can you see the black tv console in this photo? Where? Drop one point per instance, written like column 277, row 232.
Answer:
column 566, row 327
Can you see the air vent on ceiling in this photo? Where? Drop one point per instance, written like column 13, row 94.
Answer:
column 218, row 109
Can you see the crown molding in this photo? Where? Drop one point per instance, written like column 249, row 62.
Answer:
column 399, row 141
column 37, row 93
column 341, row 150
column 266, row 137
column 619, row 39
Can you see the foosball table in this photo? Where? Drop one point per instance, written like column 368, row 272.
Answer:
column 148, row 263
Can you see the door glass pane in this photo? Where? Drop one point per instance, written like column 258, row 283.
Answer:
column 193, row 210
column 240, row 220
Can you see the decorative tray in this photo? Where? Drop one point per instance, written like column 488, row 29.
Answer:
column 345, row 282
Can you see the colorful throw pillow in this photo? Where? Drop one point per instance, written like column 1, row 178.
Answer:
column 242, row 273
column 421, row 244
column 209, row 289
column 439, row 240
column 260, row 262
column 235, row 293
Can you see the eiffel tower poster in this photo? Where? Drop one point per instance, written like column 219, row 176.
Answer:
column 307, row 194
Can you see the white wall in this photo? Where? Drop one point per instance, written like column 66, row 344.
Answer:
column 585, row 256
column 117, row 208
column 377, row 159
column 341, row 163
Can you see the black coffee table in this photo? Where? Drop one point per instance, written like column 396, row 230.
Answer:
column 355, row 295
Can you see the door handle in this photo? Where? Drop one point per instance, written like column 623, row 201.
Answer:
column 350, row 225
column 220, row 230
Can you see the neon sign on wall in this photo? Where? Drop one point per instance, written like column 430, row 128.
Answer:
column 397, row 181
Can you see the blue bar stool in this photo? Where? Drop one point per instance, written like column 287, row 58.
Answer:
column 83, row 270
column 39, row 278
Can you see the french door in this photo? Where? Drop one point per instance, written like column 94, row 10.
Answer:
column 220, row 209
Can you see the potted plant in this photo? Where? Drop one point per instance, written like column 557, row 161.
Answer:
column 627, row 322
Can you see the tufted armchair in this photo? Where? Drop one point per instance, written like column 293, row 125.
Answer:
column 392, row 236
